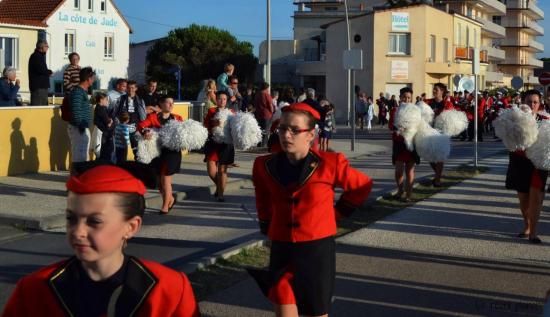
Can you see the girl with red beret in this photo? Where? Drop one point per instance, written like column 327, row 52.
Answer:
column 105, row 205
column 295, row 203
column 169, row 161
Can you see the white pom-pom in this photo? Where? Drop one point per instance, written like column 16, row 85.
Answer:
column 516, row 127
column 426, row 112
column 407, row 120
column 193, row 135
column 245, row 131
column 451, row 122
column 222, row 133
column 431, row 145
column 148, row 149
column 539, row 152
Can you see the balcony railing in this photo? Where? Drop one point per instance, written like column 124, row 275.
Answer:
column 492, row 28
column 494, row 6
column 533, row 26
column 467, row 53
column 526, row 61
column 494, row 77
column 494, row 53
column 528, row 44
column 529, row 5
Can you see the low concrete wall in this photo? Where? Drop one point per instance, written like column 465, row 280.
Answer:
column 34, row 139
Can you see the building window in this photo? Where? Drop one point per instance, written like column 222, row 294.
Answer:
column 70, row 41
column 90, row 5
column 76, row 4
column 497, row 19
column 109, row 45
column 331, row 8
column 445, row 50
column 400, row 43
column 10, row 47
column 103, row 6
column 432, row 48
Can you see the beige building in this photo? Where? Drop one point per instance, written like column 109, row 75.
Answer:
column 17, row 42
column 487, row 12
column 415, row 46
column 521, row 43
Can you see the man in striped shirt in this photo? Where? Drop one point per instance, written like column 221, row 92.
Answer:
column 71, row 77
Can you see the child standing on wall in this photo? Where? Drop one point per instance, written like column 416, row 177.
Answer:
column 103, row 127
column 122, row 137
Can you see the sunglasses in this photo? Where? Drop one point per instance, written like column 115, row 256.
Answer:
column 293, row 131
column 234, row 83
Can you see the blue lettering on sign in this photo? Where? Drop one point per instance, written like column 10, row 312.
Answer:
column 77, row 18
column 90, row 43
column 99, row 71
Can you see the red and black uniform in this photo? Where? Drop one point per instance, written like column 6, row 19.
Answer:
column 141, row 288
column 522, row 174
column 217, row 152
column 169, row 161
column 295, row 204
column 439, row 107
column 399, row 149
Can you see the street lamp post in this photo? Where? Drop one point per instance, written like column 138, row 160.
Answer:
column 268, row 67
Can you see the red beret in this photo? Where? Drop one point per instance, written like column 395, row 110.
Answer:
column 105, row 179
column 302, row 107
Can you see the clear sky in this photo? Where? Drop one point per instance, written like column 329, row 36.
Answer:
column 246, row 19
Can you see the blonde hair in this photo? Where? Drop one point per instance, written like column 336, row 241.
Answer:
column 210, row 85
column 228, row 68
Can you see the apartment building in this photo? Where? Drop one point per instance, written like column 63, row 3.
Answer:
column 520, row 44
column 489, row 13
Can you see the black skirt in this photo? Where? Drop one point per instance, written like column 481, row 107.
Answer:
column 521, row 173
column 401, row 153
column 313, row 266
column 168, row 163
column 219, row 152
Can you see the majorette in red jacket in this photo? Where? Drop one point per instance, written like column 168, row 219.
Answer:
column 152, row 121
column 307, row 212
column 149, row 290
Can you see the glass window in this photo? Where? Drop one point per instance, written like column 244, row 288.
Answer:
column 70, row 42
column 108, row 51
column 399, row 43
column 76, row 4
column 432, row 48
column 10, row 47
column 103, row 6
column 90, row 5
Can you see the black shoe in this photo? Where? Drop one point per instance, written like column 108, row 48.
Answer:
column 535, row 240
column 521, row 235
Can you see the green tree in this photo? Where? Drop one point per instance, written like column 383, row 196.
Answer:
column 201, row 52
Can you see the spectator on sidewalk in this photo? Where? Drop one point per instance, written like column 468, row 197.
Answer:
column 370, row 113
column 329, row 127
column 105, row 207
column 248, row 98
column 9, row 87
column 78, row 128
column 210, row 101
column 264, row 106
column 39, row 75
column 526, row 180
column 132, row 104
column 360, row 110
column 151, row 97
column 122, row 137
column 222, row 82
column 302, row 226
column 235, row 97
column 121, row 85
column 104, row 126
column 71, row 73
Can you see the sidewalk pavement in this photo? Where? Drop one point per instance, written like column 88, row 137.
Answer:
column 453, row 254
column 37, row 201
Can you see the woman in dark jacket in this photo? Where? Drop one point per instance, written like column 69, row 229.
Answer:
column 9, row 86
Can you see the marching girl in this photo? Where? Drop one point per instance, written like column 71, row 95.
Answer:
column 295, row 203
column 438, row 104
column 528, row 181
column 105, row 205
column 217, row 155
column 169, row 161
column 402, row 158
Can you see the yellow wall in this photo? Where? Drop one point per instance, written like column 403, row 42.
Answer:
column 27, row 43
column 34, row 139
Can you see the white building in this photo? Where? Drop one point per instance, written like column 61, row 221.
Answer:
column 95, row 29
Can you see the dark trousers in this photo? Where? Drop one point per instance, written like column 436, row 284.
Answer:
column 471, row 131
column 121, row 154
column 107, row 152
column 134, row 144
column 39, row 97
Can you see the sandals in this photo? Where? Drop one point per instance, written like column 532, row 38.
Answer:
column 162, row 212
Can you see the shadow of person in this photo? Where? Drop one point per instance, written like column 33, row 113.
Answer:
column 17, row 142
column 58, row 142
column 31, row 156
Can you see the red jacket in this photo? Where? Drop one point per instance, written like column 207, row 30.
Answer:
column 150, row 290
column 210, row 116
column 394, row 135
column 152, row 121
column 447, row 106
column 307, row 212
column 264, row 105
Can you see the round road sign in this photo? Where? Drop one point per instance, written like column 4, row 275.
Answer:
column 544, row 78
column 517, row 83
